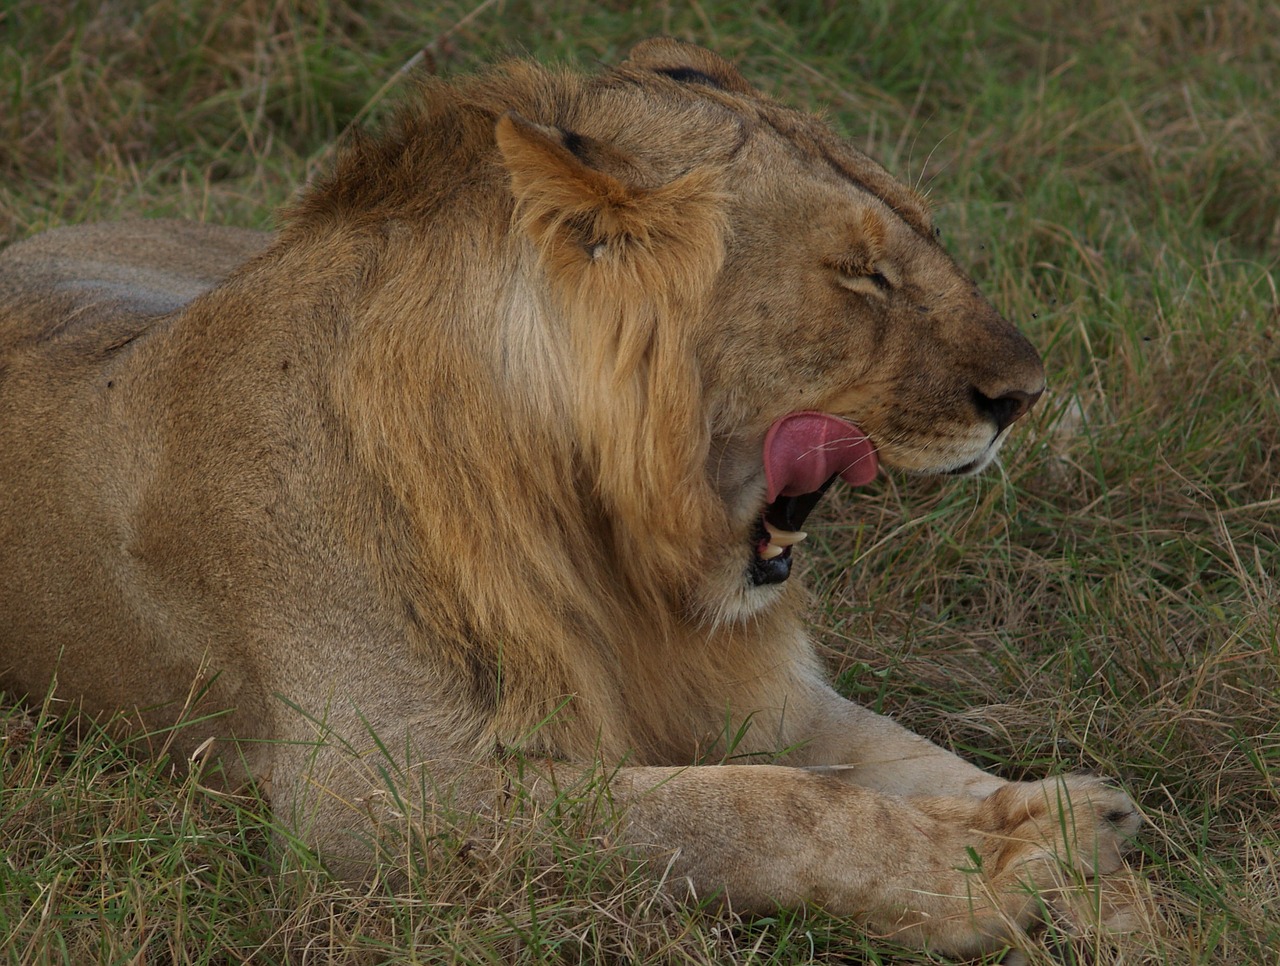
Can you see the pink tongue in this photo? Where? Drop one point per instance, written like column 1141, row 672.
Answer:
column 804, row 450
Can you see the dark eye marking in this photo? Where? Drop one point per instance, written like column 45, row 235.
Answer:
column 687, row 75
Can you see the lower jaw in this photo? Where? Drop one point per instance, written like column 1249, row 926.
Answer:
column 971, row 467
column 774, row 571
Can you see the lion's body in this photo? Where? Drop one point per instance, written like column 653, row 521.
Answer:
column 468, row 456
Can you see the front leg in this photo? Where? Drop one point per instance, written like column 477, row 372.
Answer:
column 858, row 746
column 948, row 873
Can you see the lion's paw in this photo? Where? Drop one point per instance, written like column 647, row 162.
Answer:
column 1054, row 848
column 1037, row 852
column 1074, row 824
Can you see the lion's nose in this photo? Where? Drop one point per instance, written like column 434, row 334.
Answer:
column 1007, row 407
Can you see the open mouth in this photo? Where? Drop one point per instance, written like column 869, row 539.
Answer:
column 803, row 454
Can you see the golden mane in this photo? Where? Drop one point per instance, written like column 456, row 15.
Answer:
column 586, row 481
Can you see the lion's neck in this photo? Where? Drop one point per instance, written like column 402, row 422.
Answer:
column 491, row 521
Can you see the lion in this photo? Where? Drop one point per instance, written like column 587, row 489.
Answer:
column 504, row 443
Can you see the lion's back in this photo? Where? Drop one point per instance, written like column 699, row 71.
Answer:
column 69, row 279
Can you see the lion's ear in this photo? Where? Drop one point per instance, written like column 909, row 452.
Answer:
column 633, row 253
column 575, row 210
column 554, row 188
column 687, row 63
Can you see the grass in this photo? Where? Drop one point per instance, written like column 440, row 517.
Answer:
column 1108, row 600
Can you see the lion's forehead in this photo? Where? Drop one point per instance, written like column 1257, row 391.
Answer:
column 672, row 125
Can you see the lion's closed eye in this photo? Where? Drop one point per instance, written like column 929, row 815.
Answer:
column 877, row 279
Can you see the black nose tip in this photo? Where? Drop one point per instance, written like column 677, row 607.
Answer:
column 1007, row 407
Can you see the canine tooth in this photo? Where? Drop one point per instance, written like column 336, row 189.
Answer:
column 771, row 551
column 784, row 538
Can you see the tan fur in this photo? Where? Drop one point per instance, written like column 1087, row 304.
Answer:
column 468, row 457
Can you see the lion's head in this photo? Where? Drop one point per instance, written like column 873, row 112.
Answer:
column 689, row 308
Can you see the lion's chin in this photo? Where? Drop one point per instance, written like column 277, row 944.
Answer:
column 982, row 460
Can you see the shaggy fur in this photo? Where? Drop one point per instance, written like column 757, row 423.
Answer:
column 469, row 457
